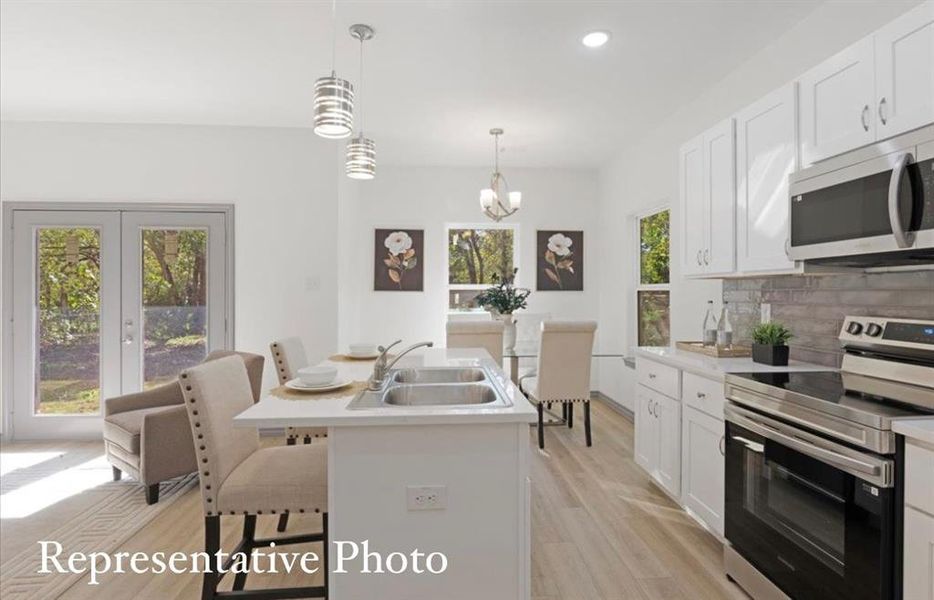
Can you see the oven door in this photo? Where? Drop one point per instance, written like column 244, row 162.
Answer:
column 815, row 517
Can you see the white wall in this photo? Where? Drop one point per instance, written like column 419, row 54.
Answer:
column 431, row 197
column 645, row 173
column 283, row 183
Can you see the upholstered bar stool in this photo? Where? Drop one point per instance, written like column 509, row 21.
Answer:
column 288, row 356
column 477, row 334
column 563, row 373
column 238, row 477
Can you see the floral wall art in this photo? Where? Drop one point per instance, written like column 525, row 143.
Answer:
column 398, row 260
column 560, row 261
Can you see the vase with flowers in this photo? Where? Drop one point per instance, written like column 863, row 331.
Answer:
column 502, row 300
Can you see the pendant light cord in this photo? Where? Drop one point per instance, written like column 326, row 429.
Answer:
column 360, row 88
column 333, row 35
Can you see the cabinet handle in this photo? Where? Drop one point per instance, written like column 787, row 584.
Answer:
column 655, row 410
column 881, row 112
column 651, row 375
column 699, row 257
column 706, row 257
column 701, row 395
column 722, row 450
column 648, row 407
column 863, row 116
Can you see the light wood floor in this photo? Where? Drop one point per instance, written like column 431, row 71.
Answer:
column 600, row 531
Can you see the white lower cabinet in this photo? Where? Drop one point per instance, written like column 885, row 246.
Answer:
column 658, row 438
column 702, row 466
column 919, row 522
column 679, row 440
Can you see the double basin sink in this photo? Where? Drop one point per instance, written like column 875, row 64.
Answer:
column 433, row 387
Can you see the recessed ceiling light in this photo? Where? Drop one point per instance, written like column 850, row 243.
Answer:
column 595, row 39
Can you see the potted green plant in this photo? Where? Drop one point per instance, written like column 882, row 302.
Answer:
column 503, row 299
column 769, row 345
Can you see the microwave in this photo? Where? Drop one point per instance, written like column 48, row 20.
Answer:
column 871, row 207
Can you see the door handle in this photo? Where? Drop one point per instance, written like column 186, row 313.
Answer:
column 862, row 117
column 881, row 113
column 127, row 338
column 903, row 239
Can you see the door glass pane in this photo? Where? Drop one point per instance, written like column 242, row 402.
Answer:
column 174, row 294
column 68, row 321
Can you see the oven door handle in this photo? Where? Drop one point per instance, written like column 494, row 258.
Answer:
column 846, row 463
column 904, row 239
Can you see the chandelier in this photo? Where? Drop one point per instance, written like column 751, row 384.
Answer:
column 496, row 201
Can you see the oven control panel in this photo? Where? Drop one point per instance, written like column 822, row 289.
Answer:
column 882, row 331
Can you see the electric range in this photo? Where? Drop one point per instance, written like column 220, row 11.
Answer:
column 813, row 485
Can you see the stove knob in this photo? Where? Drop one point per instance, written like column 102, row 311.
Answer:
column 854, row 328
column 874, row 329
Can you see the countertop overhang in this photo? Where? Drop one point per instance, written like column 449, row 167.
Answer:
column 325, row 410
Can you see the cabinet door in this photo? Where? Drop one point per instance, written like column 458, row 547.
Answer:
column 693, row 209
column 836, row 104
column 766, row 154
column 668, row 473
column 646, row 445
column 720, row 198
column 702, row 466
column 905, row 72
column 919, row 555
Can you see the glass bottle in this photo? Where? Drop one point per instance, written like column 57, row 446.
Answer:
column 710, row 326
column 725, row 328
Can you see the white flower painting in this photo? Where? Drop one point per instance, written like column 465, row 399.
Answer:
column 398, row 265
column 560, row 261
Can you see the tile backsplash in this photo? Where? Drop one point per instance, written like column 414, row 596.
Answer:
column 813, row 306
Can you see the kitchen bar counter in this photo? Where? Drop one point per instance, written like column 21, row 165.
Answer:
column 708, row 366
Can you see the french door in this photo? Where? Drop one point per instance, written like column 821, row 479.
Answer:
column 108, row 302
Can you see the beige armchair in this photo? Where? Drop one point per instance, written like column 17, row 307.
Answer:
column 477, row 334
column 238, row 477
column 563, row 373
column 146, row 434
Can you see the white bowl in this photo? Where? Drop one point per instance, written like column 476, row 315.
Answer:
column 319, row 375
column 362, row 349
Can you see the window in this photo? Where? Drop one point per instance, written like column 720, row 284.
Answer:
column 477, row 255
column 653, row 287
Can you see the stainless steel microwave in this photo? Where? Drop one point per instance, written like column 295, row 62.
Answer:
column 870, row 207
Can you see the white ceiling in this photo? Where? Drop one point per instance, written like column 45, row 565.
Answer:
column 438, row 75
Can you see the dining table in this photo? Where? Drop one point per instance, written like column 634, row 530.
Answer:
column 529, row 349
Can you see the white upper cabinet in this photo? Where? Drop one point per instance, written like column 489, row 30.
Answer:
column 877, row 88
column 904, row 53
column 708, row 201
column 837, row 97
column 691, row 169
column 719, row 153
column 766, row 154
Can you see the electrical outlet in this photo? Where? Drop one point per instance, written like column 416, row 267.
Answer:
column 765, row 312
column 426, row 497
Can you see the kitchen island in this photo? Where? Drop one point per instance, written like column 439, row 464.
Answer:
column 428, row 477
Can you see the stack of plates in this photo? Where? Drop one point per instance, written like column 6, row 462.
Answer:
column 297, row 385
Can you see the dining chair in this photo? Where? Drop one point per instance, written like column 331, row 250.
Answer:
column 289, row 356
column 146, row 434
column 529, row 333
column 477, row 334
column 238, row 477
column 563, row 373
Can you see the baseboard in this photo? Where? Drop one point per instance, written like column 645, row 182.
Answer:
column 600, row 396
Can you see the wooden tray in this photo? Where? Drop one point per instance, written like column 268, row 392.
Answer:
column 734, row 351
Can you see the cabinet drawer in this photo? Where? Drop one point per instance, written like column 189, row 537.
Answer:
column 659, row 377
column 706, row 395
column 919, row 478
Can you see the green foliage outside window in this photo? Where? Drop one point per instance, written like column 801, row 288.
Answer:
column 479, row 256
column 654, row 233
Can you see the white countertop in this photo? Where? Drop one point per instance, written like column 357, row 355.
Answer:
column 322, row 410
column 710, row 367
column 916, row 428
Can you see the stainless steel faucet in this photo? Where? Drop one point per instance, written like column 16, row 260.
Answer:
column 381, row 368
